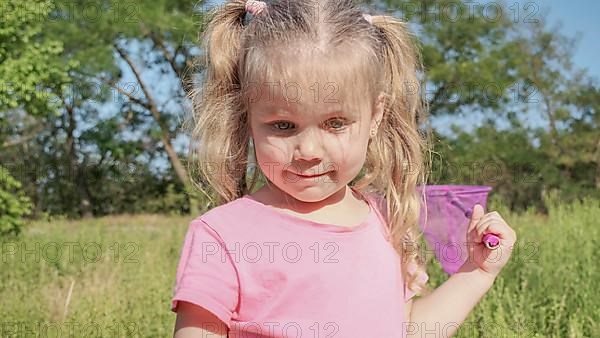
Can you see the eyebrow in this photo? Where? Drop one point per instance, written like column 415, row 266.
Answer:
column 283, row 112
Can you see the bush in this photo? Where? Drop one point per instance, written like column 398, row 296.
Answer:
column 13, row 204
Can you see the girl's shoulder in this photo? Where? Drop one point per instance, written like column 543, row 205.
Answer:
column 226, row 215
column 235, row 220
column 225, row 208
column 379, row 200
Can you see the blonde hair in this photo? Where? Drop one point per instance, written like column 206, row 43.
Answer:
column 236, row 52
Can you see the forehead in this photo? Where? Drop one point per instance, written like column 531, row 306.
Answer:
column 274, row 98
column 309, row 81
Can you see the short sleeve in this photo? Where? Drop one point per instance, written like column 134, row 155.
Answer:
column 408, row 293
column 206, row 274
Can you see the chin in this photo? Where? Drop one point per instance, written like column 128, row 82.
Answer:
column 310, row 194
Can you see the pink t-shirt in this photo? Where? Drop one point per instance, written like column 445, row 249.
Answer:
column 266, row 273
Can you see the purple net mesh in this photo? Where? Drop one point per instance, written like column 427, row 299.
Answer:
column 449, row 209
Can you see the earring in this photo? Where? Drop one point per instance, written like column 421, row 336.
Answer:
column 373, row 133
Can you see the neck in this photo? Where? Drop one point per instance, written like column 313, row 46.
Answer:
column 342, row 196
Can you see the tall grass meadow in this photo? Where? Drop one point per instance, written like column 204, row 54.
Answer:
column 113, row 277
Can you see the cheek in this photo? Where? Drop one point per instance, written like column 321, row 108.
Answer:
column 347, row 152
column 271, row 150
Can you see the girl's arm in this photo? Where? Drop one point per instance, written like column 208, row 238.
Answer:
column 196, row 322
column 443, row 311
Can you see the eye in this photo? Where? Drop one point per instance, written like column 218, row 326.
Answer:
column 281, row 125
column 337, row 123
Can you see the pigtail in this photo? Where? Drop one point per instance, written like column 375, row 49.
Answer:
column 219, row 139
column 400, row 147
column 222, row 40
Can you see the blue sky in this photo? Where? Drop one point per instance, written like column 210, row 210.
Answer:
column 579, row 16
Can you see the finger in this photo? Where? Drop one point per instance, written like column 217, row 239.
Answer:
column 491, row 215
column 478, row 213
column 481, row 230
column 484, row 223
column 499, row 228
column 482, row 220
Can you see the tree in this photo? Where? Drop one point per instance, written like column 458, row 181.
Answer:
column 504, row 61
column 30, row 69
column 570, row 103
column 118, row 46
column 470, row 57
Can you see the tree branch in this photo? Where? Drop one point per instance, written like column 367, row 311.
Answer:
column 150, row 105
column 171, row 60
column 129, row 96
column 180, row 170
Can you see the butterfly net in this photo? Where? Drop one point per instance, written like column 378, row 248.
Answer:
column 449, row 209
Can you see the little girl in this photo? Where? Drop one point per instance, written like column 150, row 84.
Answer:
column 326, row 100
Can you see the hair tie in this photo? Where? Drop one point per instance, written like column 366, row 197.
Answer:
column 255, row 7
column 368, row 17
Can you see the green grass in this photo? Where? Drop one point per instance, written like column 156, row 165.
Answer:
column 122, row 292
column 549, row 288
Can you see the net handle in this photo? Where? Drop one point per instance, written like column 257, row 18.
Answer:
column 456, row 202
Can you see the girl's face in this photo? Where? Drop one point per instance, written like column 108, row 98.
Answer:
column 310, row 146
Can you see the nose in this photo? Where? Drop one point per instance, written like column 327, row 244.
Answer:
column 309, row 146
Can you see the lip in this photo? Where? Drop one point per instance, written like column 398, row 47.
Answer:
column 310, row 176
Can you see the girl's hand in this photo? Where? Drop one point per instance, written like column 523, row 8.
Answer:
column 488, row 260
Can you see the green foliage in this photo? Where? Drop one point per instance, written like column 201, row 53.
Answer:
column 89, row 162
column 505, row 160
column 116, row 172
column 94, row 164
column 13, row 205
column 90, row 28
column 570, row 104
column 520, row 173
column 471, row 58
column 29, row 64
column 60, row 60
column 508, row 66
column 169, row 202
